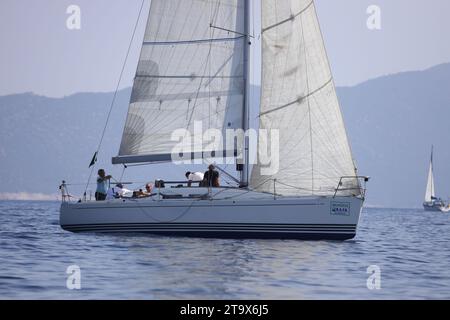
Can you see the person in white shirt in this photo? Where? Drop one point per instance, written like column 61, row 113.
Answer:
column 194, row 177
column 117, row 192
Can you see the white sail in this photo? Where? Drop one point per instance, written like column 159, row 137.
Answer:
column 190, row 72
column 299, row 100
column 429, row 194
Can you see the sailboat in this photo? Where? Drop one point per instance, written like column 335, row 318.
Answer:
column 194, row 70
column 432, row 203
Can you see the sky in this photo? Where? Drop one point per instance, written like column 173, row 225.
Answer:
column 41, row 55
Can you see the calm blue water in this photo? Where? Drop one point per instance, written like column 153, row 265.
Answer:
column 411, row 247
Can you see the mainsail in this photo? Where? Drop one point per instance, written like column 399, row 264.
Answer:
column 299, row 100
column 429, row 194
column 190, row 73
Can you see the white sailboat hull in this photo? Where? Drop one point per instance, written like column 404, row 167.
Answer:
column 433, row 206
column 312, row 218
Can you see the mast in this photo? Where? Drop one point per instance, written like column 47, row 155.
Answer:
column 246, row 112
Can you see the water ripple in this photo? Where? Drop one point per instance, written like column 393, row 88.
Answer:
column 412, row 249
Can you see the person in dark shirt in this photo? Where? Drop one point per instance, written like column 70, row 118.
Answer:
column 211, row 177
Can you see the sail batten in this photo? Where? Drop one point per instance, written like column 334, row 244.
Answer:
column 291, row 17
column 162, row 43
column 299, row 100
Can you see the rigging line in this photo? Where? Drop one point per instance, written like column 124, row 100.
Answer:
column 232, row 31
column 183, row 213
column 229, row 175
column 123, row 172
column 117, row 89
column 251, row 190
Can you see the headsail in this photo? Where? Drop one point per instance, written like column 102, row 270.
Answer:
column 190, row 72
column 299, row 100
column 430, row 194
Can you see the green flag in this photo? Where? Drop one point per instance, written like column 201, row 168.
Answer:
column 94, row 160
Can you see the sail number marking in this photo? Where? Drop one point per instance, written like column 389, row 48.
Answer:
column 340, row 208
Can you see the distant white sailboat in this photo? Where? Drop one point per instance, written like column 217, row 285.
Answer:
column 432, row 203
column 195, row 66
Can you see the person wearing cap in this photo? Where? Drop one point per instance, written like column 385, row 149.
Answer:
column 194, row 177
column 211, row 178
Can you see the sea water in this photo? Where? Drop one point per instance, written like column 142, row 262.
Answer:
column 398, row 253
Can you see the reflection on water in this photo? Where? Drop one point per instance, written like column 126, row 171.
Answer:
column 410, row 246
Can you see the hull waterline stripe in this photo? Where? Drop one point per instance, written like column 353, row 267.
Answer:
column 210, row 230
column 220, row 224
column 194, row 227
column 239, row 234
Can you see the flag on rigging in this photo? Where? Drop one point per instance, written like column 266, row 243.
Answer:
column 94, row 160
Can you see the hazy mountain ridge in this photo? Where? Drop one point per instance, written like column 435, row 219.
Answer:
column 44, row 140
column 391, row 121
